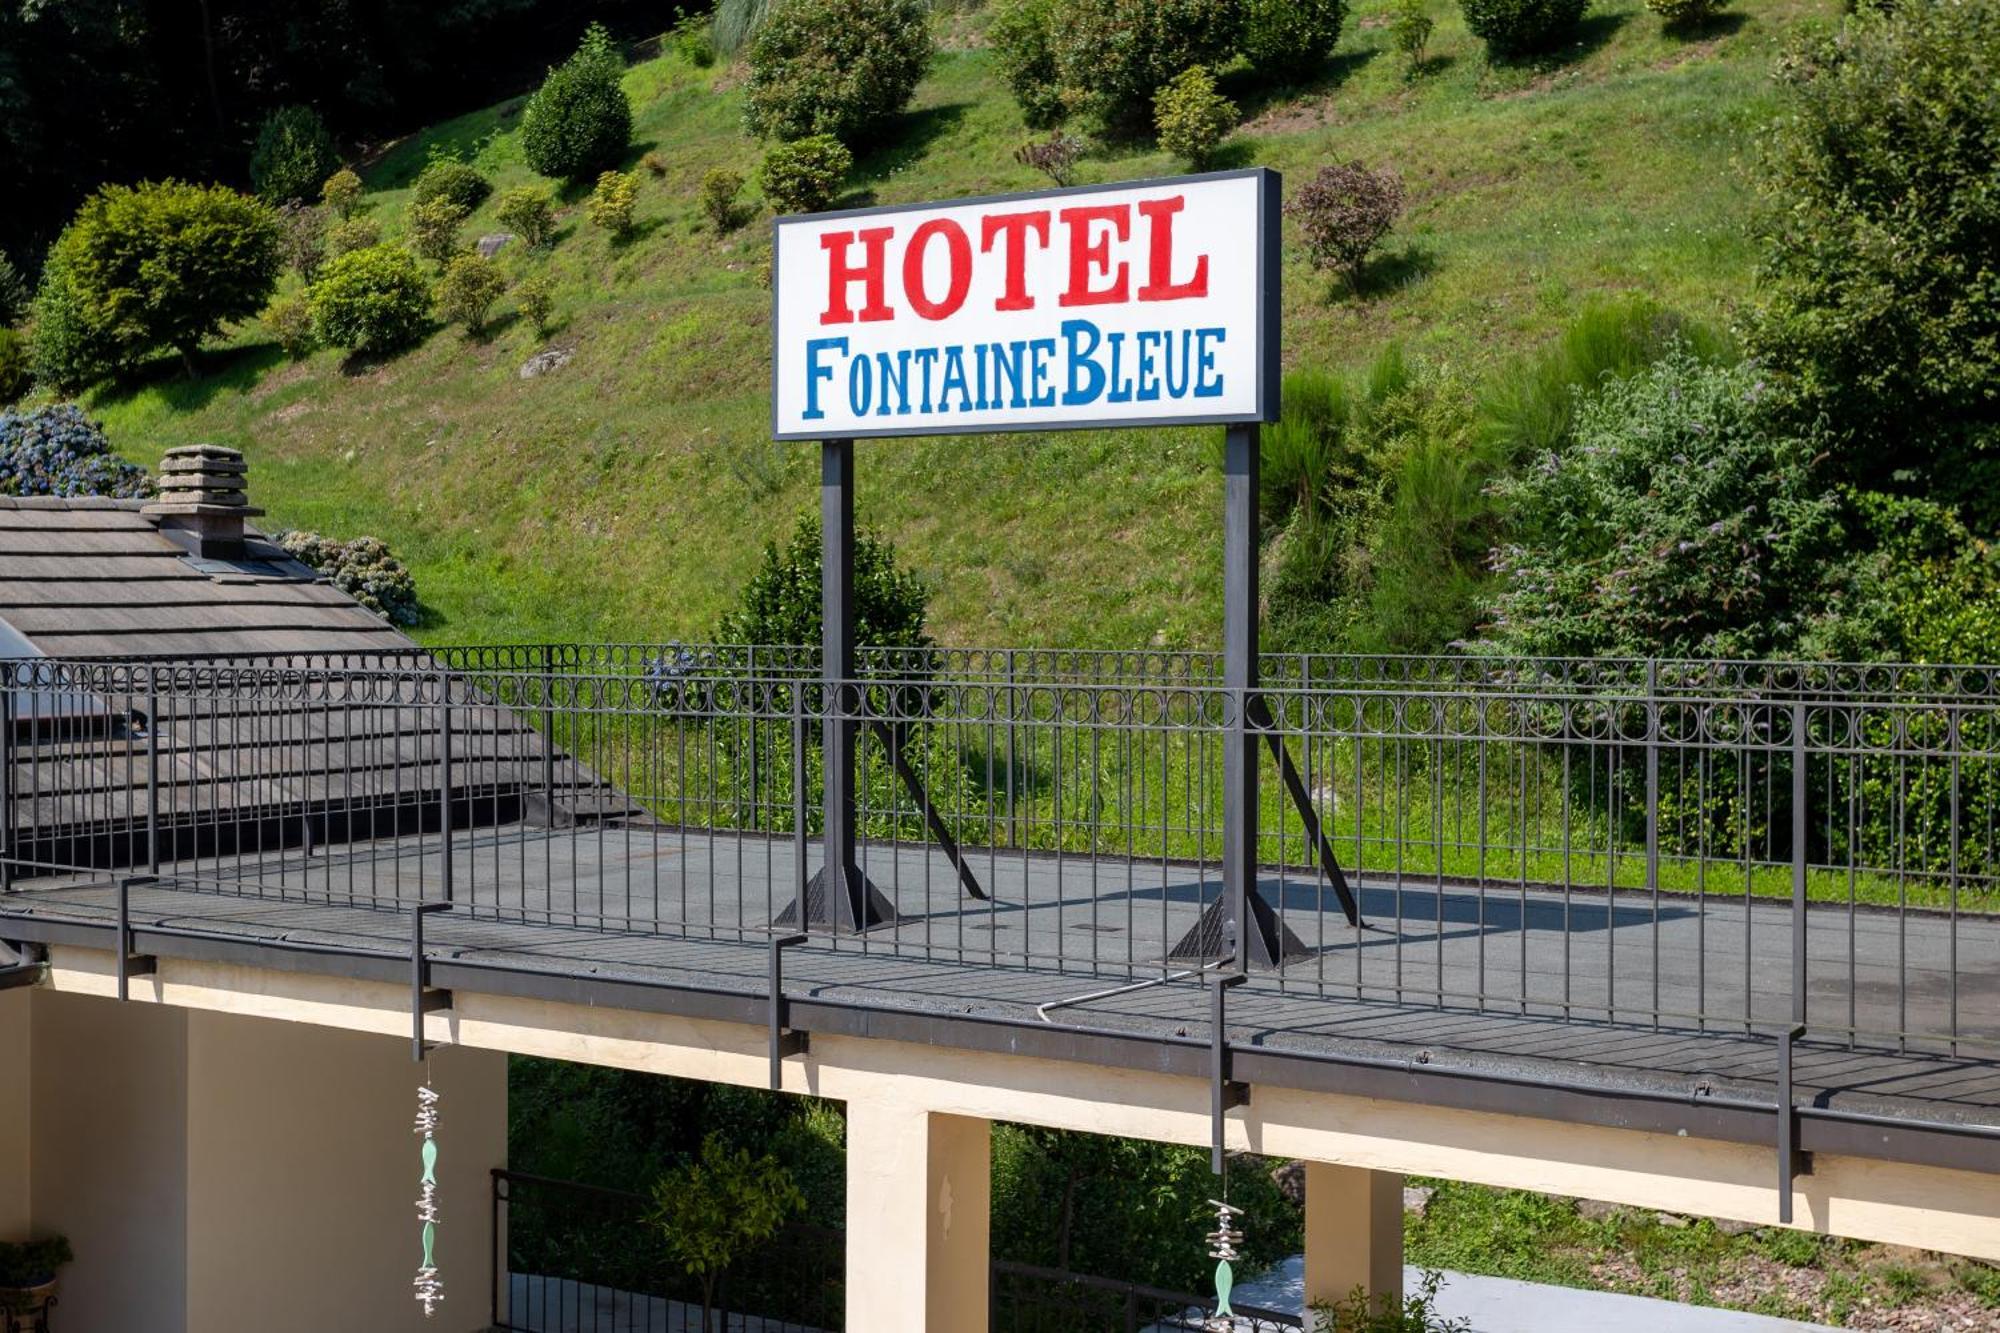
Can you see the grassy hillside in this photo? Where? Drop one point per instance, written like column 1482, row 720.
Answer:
column 626, row 494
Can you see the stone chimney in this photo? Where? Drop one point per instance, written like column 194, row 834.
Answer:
column 202, row 503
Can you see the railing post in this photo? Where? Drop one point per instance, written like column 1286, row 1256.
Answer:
column 444, row 787
column 549, row 726
column 152, row 773
column 1653, row 816
column 1790, row 1161
column 7, row 840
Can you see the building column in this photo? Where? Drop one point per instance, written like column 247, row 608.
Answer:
column 919, row 1186
column 17, row 1072
column 1354, row 1233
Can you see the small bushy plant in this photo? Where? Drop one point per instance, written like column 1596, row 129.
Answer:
column 293, row 156
column 350, row 234
column 535, row 297
column 1021, row 39
column 468, row 289
column 838, row 67
column 341, row 194
column 1685, row 13
column 1192, row 117
column 362, row 567
column 16, row 370
column 434, row 228
column 1291, row 39
column 529, row 211
column 1512, row 28
column 804, row 176
column 166, row 265
column 289, row 322
column 14, row 295
column 692, row 42
column 1410, row 27
column 373, row 300
column 24, row 1263
column 579, row 121
column 449, row 178
column 1343, row 213
column 1055, row 157
column 713, row 1210
column 657, row 163
column 719, row 191
column 612, row 204
column 304, row 238
column 1113, row 56
column 1415, row 1313
column 781, row 603
column 57, row 450
column 67, row 349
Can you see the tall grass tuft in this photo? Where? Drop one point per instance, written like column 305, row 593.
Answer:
column 737, row 21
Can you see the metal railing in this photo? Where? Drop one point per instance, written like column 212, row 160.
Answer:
column 1029, row 1299
column 1729, row 847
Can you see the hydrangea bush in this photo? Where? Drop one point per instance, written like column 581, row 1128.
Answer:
column 362, row 567
column 57, row 450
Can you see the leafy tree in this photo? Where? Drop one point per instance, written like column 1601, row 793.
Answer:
column 167, row 265
column 374, row 300
column 579, row 121
column 1291, row 39
column 838, row 67
column 294, row 156
column 718, row 1207
column 1882, row 248
column 780, row 605
column 1114, row 56
column 67, row 350
column 1192, row 117
column 1514, row 28
column 1410, row 26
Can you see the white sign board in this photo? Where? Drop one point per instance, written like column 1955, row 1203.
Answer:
column 1150, row 302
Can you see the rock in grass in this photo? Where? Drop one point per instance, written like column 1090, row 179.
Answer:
column 541, row 363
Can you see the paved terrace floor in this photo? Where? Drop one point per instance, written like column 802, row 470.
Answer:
column 1571, row 984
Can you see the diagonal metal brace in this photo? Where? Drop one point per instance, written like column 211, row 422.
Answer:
column 424, row 997
column 1260, row 717
column 1225, row 1093
column 784, row 1041
column 131, row 964
column 914, row 785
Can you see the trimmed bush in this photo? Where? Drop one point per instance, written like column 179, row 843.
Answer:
column 289, row 321
column 579, row 121
column 434, row 228
column 1343, row 213
column 612, row 204
column 1055, row 157
column 1513, row 28
column 1021, row 40
column 1291, row 39
column 1410, row 29
column 780, row 603
column 167, row 265
column 303, row 230
column 341, row 194
column 719, row 191
column 449, row 178
column 838, row 67
column 805, row 176
column 351, row 234
column 374, row 300
column 293, row 157
column 529, row 211
column 1113, row 56
column 1192, row 118
column 57, row 450
column 362, row 567
column 535, row 298
column 1685, row 13
column 16, row 373
column 67, row 350
column 467, row 291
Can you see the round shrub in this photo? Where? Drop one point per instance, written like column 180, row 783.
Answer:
column 374, row 300
column 804, row 177
column 1343, row 213
column 449, row 178
column 579, row 120
column 434, row 229
column 535, row 298
column 303, row 236
column 1114, row 56
column 1192, row 117
column 57, row 450
column 1684, row 13
column 1020, row 37
column 529, row 211
column 613, row 202
column 364, row 568
column 293, row 156
column 168, row 264
column 466, row 293
column 1291, row 39
column 838, row 67
column 67, row 350
column 351, row 234
column 341, row 194
column 289, row 322
column 15, row 373
column 1522, row 27
column 719, row 189
column 1410, row 28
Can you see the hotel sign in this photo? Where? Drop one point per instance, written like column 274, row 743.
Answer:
column 1144, row 303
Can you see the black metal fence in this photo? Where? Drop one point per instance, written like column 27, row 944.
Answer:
column 1736, row 847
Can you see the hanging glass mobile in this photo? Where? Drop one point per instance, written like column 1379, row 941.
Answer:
column 430, row 1287
column 1222, row 1243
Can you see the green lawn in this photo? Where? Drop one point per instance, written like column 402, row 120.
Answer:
column 626, row 495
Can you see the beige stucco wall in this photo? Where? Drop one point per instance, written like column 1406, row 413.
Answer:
column 1954, row 1211
column 15, row 1158
column 110, row 1163
column 303, row 1168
